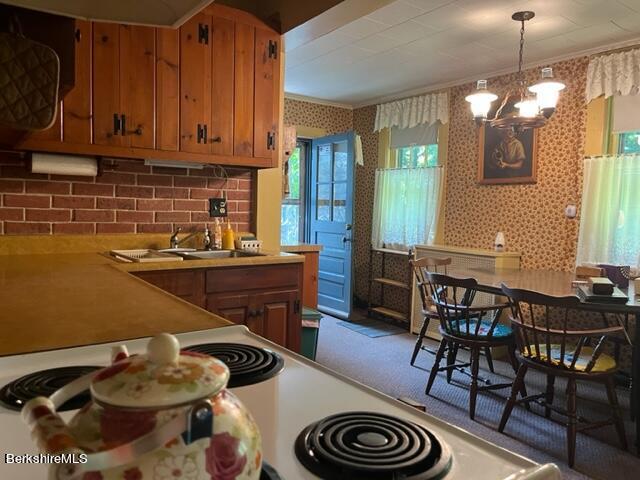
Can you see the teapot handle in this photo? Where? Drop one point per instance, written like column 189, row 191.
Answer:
column 54, row 437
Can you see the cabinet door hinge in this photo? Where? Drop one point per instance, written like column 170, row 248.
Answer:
column 203, row 34
column 296, row 306
column 273, row 49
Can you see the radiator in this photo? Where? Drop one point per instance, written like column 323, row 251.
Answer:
column 461, row 258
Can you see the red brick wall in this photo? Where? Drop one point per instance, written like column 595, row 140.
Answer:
column 128, row 197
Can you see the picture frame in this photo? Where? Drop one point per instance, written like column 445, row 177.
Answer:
column 506, row 158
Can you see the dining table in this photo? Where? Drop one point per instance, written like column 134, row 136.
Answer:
column 560, row 284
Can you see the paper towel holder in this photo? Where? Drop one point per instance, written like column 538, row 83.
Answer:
column 46, row 163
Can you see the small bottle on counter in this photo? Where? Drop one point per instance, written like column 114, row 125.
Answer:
column 217, row 235
column 228, row 237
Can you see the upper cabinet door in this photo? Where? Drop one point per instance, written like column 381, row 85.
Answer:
column 167, row 89
column 195, row 84
column 77, row 104
column 137, row 85
column 106, row 85
column 243, row 109
column 267, row 70
column 221, row 131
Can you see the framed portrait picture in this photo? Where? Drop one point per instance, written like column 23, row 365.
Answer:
column 506, row 157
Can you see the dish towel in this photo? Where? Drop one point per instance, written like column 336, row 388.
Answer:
column 358, row 152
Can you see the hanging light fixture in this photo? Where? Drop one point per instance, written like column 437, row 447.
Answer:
column 532, row 110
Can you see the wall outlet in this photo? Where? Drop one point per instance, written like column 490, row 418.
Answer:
column 217, row 207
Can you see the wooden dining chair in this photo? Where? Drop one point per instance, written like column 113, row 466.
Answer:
column 462, row 324
column 420, row 267
column 545, row 343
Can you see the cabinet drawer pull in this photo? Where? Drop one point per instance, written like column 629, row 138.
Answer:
column 216, row 139
column 123, row 130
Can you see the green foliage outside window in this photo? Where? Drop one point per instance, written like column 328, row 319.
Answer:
column 418, row 156
column 630, row 142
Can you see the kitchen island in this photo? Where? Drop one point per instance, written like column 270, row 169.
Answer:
column 52, row 300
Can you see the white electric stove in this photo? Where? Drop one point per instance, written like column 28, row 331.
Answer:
column 296, row 402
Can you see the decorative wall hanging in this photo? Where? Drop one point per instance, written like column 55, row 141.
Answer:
column 506, row 157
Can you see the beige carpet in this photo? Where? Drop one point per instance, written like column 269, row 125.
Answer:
column 383, row 363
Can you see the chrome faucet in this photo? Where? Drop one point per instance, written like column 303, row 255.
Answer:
column 174, row 242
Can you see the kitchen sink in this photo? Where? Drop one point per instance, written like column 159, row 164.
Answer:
column 208, row 254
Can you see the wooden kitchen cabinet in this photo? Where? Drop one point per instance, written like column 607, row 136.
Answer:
column 186, row 284
column 73, row 121
column 208, row 92
column 265, row 298
column 123, row 85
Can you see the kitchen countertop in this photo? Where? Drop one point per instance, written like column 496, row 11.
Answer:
column 52, row 301
column 301, row 248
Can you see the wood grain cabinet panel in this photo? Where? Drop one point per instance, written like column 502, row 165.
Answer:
column 167, row 89
column 76, row 107
column 221, row 131
column 244, row 90
column 266, row 94
column 137, row 85
column 277, row 311
column 234, row 307
column 106, row 84
column 195, row 83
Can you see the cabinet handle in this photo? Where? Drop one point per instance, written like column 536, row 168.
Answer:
column 116, row 124
column 198, row 133
column 78, row 35
column 216, row 139
column 204, row 133
column 260, row 312
column 124, row 125
column 251, row 313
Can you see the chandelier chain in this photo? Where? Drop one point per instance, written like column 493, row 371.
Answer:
column 521, row 52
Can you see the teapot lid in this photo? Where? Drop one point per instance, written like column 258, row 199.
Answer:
column 163, row 377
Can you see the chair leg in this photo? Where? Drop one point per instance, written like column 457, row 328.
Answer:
column 452, row 353
column 617, row 417
column 487, row 353
column 517, row 385
column 511, row 350
column 548, row 395
column 436, row 365
column 423, row 332
column 475, row 363
column 572, row 425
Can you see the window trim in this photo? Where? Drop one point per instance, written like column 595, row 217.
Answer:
column 304, row 145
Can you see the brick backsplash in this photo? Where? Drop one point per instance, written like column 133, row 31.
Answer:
column 128, row 197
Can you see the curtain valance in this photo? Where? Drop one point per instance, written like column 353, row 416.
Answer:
column 413, row 111
column 616, row 73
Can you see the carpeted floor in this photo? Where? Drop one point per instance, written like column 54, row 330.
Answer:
column 383, row 363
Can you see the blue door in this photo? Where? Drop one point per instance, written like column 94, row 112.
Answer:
column 330, row 219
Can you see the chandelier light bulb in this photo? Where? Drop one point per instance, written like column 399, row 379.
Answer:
column 528, row 107
column 547, row 90
column 481, row 100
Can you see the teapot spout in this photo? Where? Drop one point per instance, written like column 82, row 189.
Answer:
column 119, row 353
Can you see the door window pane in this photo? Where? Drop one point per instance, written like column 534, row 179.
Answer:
column 290, row 226
column 339, row 202
column 294, row 175
column 340, row 162
column 324, row 202
column 324, row 163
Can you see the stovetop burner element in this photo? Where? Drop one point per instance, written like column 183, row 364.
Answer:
column 247, row 364
column 43, row 383
column 268, row 472
column 370, row 445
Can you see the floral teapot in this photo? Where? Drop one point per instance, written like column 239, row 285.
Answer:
column 165, row 415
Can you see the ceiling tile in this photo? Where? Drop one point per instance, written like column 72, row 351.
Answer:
column 407, row 31
column 444, row 18
column 394, row 13
column 363, row 27
column 379, row 43
column 594, row 34
column 428, row 5
column 630, row 23
column 632, row 4
column 591, row 15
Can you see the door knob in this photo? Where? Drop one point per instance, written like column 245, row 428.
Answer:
column 346, row 239
column 348, row 226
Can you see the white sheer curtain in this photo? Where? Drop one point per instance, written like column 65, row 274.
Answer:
column 409, row 112
column 610, row 217
column 616, row 73
column 406, row 207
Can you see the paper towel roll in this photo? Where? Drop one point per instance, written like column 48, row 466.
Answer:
column 64, row 165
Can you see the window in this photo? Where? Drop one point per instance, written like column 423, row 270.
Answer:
column 629, row 142
column 416, row 156
column 610, row 217
column 292, row 213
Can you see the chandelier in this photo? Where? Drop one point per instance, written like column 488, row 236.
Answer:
column 522, row 108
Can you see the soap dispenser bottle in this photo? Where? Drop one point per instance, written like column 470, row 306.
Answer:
column 217, row 235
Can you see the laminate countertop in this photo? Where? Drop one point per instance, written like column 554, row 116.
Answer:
column 51, row 301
